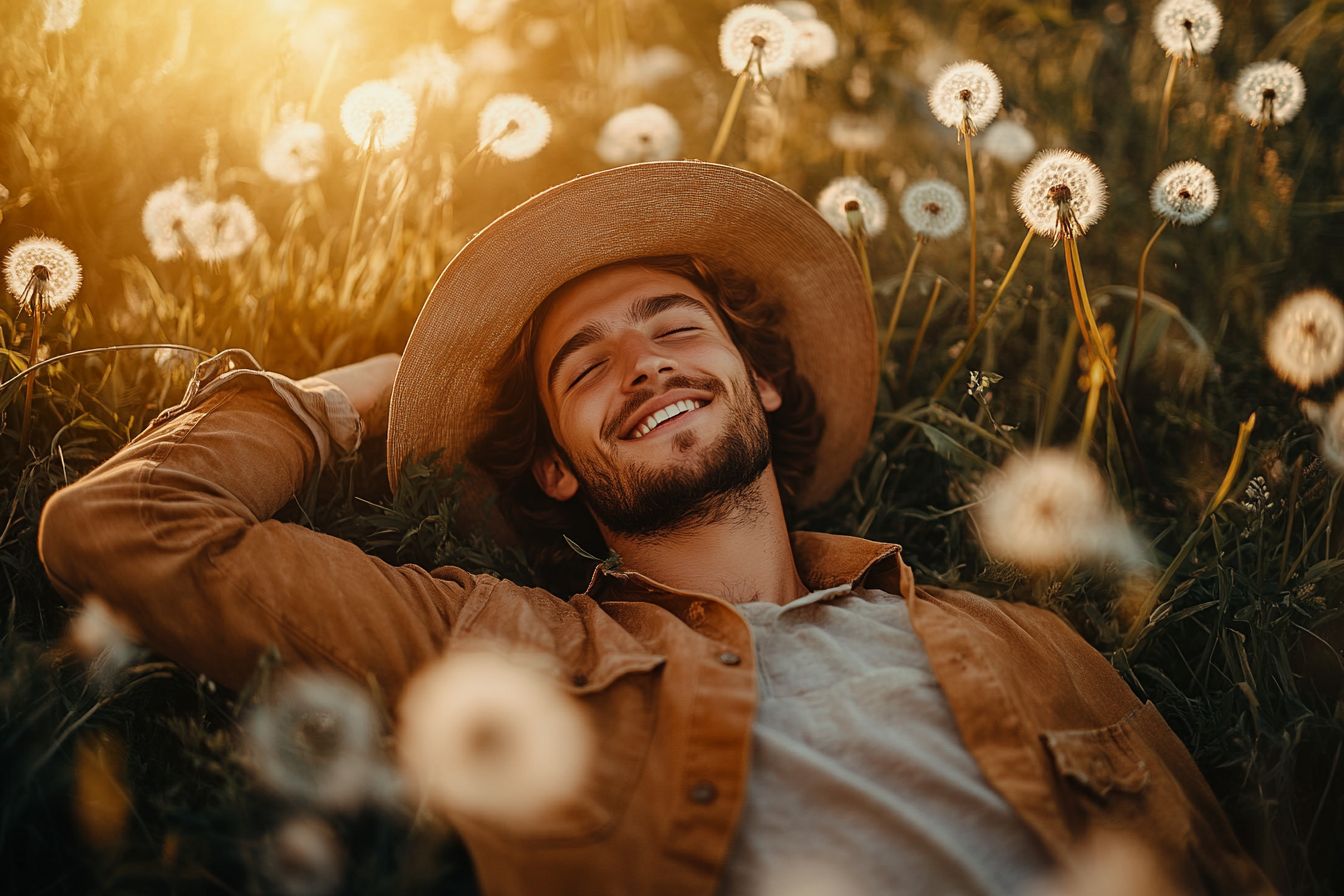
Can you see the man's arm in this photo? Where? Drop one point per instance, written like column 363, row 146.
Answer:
column 175, row 534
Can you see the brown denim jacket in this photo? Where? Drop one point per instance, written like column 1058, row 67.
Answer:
column 175, row 533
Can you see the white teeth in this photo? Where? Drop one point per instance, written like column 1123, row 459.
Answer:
column 667, row 413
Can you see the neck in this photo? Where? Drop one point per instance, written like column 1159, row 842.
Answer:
column 742, row 556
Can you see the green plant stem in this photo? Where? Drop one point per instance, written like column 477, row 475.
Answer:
column 31, row 374
column 900, row 300
column 1288, row 528
column 1138, row 306
column 1320, row 527
column 984, row 318
column 1166, row 106
column 729, row 114
column 970, row 183
column 923, row 328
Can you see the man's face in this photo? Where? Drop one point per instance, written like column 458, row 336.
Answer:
column 658, row 421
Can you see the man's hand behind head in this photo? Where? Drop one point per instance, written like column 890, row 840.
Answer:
column 368, row 385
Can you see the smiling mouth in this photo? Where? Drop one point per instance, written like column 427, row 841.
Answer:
column 671, row 412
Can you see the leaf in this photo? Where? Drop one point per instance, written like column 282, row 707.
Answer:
column 951, row 449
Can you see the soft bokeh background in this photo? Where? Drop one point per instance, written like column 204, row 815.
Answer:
column 134, row 782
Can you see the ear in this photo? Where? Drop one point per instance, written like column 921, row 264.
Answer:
column 770, row 397
column 555, row 477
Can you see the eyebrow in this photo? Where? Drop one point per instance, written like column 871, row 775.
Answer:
column 641, row 311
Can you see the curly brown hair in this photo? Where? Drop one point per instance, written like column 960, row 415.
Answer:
column 519, row 431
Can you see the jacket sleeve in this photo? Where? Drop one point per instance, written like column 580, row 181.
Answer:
column 175, row 533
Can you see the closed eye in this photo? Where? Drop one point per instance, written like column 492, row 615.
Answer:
column 677, row 330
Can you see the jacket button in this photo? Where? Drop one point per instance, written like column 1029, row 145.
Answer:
column 729, row 658
column 703, row 792
column 580, row 680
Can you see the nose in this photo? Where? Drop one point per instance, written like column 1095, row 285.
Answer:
column 646, row 362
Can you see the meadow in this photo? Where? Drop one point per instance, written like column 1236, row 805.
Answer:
column 224, row 183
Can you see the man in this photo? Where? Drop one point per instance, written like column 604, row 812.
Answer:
column 638, row 351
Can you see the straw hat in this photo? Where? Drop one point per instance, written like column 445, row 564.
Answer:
column 728, row 217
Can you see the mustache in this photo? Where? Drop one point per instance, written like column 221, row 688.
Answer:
column 713, row 385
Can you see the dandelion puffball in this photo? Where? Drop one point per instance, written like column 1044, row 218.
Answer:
column 1009, row 142
column 165, row 213
column 486, row 737
column 796, row 10
column 1269, row 94
column 1185, row 193
column 316, row 741
column 855, row 132
column 513, row 126
column 59, row 16
column 843, row 190
column 640, row 134
column 1050, row 509
column 933, row 209
column 378, row 116
column 815, row 44
column 427, row 71
column 758, row 38
column 651, row 67
column 219, row 231
column 1187, row 28
column 966, row 95
column 294, row 152
column 42, row 274
column 480, row 15
column 1060, row 194
column 1304, row 339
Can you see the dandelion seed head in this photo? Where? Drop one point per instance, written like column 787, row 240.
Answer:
column 219, row 231
column 513, row 126
column 855, row 132
column 4, row 194
column 100, row 634
column 1331, row 422
column 59, row 16
column 1186, row 28
column 1061, row 193
column 966, row 95
column 1050, row 509
column 833, row 199
column 42, row 274
column 796, row 10
column 757, row 36
column 379, row 116
column 303, row 857
column 316, row 741
column 165, row 213
column 480, row 15
column 933, row 209
column 1185, row 193
column 427, row 71
column 651, row 67
column 1269, row 94
column 484, row 736
column 815, row 45
column 294, row 152
column 1009, row 142
column 1304, row 338
column 489, row 55
column 640, row 134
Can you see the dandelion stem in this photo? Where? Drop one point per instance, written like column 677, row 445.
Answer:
column 923, row 328
column 729, row 114
column 31, row 374
column 322, row 79
column 1288, row 527
column 1320, row 527
column 1166, row 106
column 900, row 300
column 359, row 203
column 980, row 324
column 1059, row 381
column 1138, row 306
column 970, row 183
column 1096, row 376
column 1150, row 602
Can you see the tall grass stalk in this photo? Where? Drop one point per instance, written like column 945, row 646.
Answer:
column 858, row 233
column 1326, row 519
column 363, row 188
column 1288, row 522
column 923, row 328
column 900, row 300
column 1138, row 306
column 30, row 373
column 1058, row 383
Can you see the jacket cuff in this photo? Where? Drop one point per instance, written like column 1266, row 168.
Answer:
column 321, row 406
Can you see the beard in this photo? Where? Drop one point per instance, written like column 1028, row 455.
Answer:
column 643, row 502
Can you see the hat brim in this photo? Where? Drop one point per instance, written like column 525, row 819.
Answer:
column 730, row 218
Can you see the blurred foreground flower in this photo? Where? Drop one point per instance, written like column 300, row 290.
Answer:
column 316, row 741
column 1331, row 422
column 294, row 153
column 1049, row 510
column 854, row 132
column 1185, row 193
column 815, row 45
column 489, row 738
column 480, row 15
column 101, row 803
column 489, row 55
column 166, row 212
column 966, row 96
column 1009, row 142
column 303, row 857
column 428, row 74
column 42, row 274
column 1187, row 28
column 378, row 116
column 219, row 231
column 1060, row 194
column 933, row 209
column 513, row 126
column 59, row 16
column 796, row 10
column 99, row 635
column 651, row 67
column 1269, row 94
column 843, row 190
column 757, row 40
column 1304, row 339
column 641, row 134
